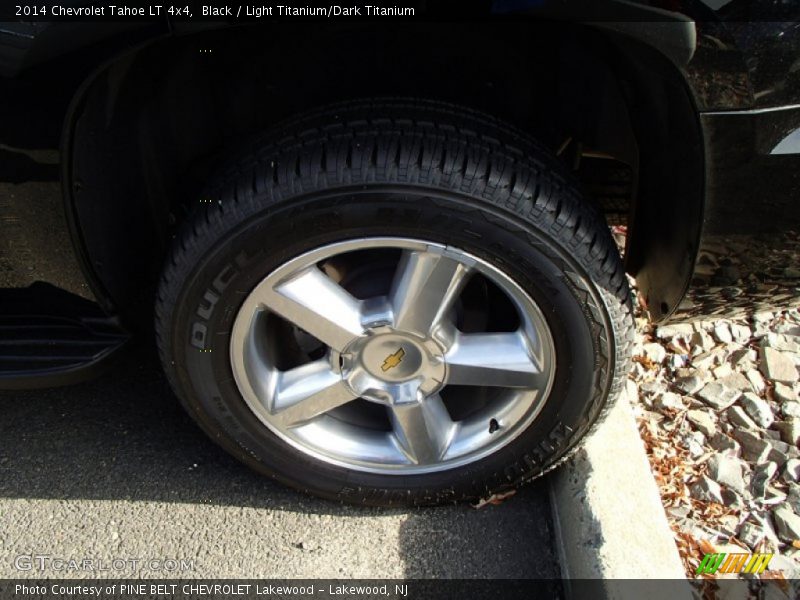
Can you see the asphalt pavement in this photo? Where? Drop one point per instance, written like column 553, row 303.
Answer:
column 111, row 478
column 113, row 470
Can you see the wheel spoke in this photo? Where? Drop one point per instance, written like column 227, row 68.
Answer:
column 422, row 429
column 318, row 305
column 492, row 359
column 307, row 392
column 424, row 288
column 369, row 405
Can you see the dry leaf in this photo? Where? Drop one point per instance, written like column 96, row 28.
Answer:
column 494, row 499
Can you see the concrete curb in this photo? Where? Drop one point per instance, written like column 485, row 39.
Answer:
column 610, row 523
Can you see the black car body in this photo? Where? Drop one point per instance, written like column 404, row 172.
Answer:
column 702, row 104
column 680, row 118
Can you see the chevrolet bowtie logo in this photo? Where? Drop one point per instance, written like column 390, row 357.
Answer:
column 393, row 360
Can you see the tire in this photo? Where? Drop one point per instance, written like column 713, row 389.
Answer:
column 360, row 173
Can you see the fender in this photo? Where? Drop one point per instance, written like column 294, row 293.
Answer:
column 671, row 33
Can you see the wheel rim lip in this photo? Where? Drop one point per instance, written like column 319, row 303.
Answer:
column 529, row 312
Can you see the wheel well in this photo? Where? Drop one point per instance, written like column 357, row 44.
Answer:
column 146, row 130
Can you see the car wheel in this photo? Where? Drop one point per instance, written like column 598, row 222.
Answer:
column 395, row 303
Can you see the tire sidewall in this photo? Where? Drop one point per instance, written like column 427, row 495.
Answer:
column 229, row 268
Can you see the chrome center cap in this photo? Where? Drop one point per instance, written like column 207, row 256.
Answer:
column 392, row 367
column 393, row 357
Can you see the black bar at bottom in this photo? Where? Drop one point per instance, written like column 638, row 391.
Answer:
column 393, row 589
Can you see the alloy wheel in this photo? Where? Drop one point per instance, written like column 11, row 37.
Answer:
column 395, row 363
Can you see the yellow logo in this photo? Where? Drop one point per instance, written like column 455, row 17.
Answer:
column 393, row 360
column 734, row 563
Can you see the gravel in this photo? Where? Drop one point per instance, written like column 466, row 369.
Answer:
column 762, row 476
column 707, row 490
column 725, row 445
column 783, row 393
column 791, row 471
column 718, row 396
column 758, row 409
column 704, row 421
column 728, row 471
column 669, row 400
column 787, row 523
column 778, row 366
column 719, row 410
column 690, row 385
column 789, row 430
column 738, row 416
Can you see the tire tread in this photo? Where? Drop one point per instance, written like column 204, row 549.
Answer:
column 465, row 151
